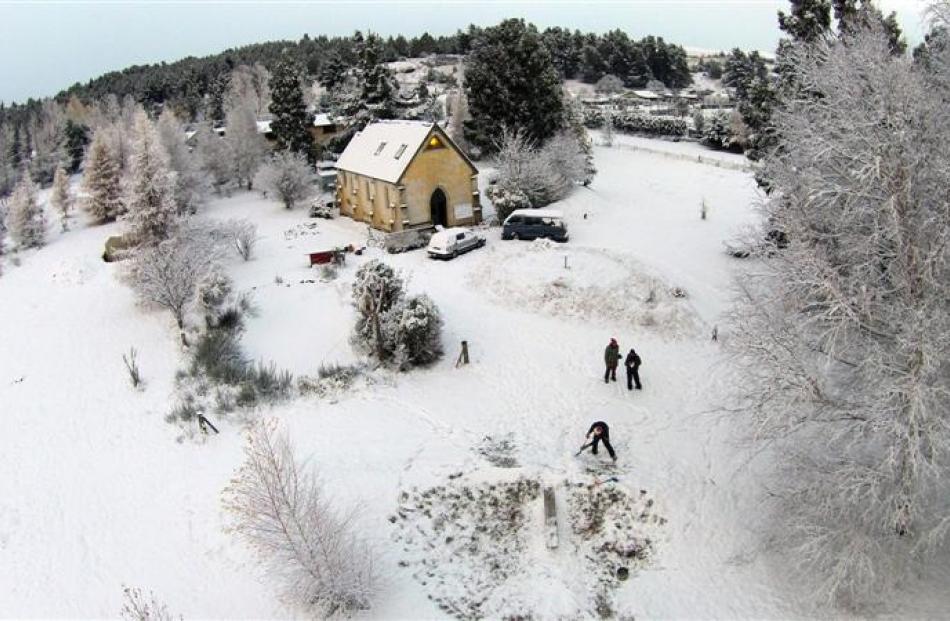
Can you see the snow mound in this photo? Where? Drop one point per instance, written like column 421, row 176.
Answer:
column 584, row 283
column 475, row 545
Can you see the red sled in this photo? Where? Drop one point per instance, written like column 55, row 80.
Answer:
column 337, row 257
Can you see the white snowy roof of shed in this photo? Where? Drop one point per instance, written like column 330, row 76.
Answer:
column 384, row 149
column 646, row 94
column 322, row 120
column 263, row 127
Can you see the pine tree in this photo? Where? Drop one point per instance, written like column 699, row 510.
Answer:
column 807, row 21
column 77, row 137
column 101, row 181
column 291, row 124
column 510, row 81
column 61, row 199
column 377, row 88
column 333, row 71
column 26, row 218
column 151, row 204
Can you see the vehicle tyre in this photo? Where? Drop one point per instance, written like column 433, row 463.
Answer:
column 455, row 253
column 515, row 236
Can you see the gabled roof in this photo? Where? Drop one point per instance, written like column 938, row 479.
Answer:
column 383, row 150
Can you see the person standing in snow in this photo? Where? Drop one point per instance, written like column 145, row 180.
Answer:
column 599, row 432
column 633, row 369
column 611, row 358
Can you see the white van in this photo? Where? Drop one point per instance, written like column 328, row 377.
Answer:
column 449, row 243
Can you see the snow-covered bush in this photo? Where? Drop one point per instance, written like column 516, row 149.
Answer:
column 506, row 200
column 609, row 84
column 520, row 169
column 101, row 181
column 718, row 133
column 376, row 289
column 131, row 363
column 413, row 331
column 151, row 194
column 289, row 176
column 309, row 547
column 138, row 607
column 25, row 218
column 566, row 157
column 607, row 135
column 243, row 236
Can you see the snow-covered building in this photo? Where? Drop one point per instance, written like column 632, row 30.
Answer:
column 398, row 175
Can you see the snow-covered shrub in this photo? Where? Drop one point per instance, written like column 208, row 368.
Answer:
column 718, row 133
column 132, row 366
column 138, row 607
column 566, row 157
column 375, row 290
column 221, row 306
column 243, row 236
column 269, row 382
column 309, row 547
column 607, row 134
column 289, row 176
column 609, row 84
column 520, row 169
column 219, row 356
column 506, row 200
column 25, row 217
column 413, row 331
column 151, row 193
column 320, row 209
column 101, row 182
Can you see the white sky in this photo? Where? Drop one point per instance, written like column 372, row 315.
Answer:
column 47, row 45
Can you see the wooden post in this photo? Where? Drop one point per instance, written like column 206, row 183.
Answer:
column 463, row 355
column 550, row 518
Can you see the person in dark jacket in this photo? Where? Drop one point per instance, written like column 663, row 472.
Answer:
column 600, row 432
column 632, row 363
column 611, row 358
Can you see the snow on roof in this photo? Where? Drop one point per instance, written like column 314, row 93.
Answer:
column 538, row 213
column 384, row 149
column 646, row 94
column 263, row 127
column 322, row 120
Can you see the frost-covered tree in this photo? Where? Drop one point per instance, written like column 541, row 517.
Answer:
column 511, row 82
column 521, row 171
column 25, row 218
column 583, row 147
column 61, row 199
column 310, row 548
column 191, row 182
column 101, row 184
column 167, row 274
column 289, row 176
column 246, row 146
column 151, row 195
column 48, row 131
column 376, row 289
column 845, row 326
column 250, row 85
column 214, row 158
column 807, row 20
column 413, row 331
column 609, row 84
column 291, row 124
column 568, row 162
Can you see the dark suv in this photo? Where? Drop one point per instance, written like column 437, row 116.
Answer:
column 535, row 223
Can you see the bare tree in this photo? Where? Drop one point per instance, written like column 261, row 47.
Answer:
column 60, row 198
column 251, row 84
column 845, row 327
column 168, row 273
column 289, row 176
column 243, row 236
column 280, row 509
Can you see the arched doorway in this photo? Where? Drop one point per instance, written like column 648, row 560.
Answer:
column 438, row 210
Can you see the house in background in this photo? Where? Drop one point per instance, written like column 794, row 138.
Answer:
column 400, row 175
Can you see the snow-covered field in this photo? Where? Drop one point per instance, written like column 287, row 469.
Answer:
column 97, row 491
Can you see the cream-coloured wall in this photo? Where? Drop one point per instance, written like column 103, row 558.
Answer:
column 369, row 203
column 440, row 168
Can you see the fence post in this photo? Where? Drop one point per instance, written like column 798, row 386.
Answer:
column 463, row 355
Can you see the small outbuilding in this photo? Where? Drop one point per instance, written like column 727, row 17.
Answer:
column 401, row 175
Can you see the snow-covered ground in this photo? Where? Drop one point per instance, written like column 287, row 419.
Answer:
column 96, row 492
